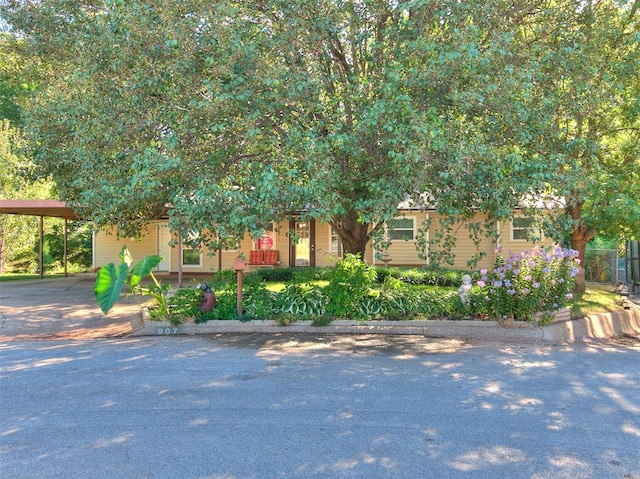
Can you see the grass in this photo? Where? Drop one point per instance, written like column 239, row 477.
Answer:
column 596, row 299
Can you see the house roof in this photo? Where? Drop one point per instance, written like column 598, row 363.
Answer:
column 54, row 208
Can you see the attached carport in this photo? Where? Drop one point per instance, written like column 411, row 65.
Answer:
column 42, row 209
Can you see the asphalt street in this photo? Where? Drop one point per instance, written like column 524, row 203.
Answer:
column 296, row 406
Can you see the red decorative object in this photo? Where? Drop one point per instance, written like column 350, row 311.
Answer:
column 271, row 257
column 256, row 257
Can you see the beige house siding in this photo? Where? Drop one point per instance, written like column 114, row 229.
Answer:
column 107, row 246
column 401, row 252
column 509, row 246
column 465, row 248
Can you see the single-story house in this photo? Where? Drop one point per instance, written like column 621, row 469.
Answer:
column 317, row 245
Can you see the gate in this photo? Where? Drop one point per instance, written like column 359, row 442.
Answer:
column 601, row 266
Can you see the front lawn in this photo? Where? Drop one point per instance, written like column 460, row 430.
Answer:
column 598, row 298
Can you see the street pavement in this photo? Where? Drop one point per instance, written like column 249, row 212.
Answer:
column 318, row 406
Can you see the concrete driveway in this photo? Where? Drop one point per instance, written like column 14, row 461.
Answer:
column 61, row 308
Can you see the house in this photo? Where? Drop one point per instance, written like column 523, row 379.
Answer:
column 318, row 245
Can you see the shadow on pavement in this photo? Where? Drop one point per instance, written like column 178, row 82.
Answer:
column 62, row 308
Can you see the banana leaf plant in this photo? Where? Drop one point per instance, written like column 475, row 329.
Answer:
column 111, row 279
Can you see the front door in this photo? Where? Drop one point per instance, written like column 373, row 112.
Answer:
column 303, row 251
column 164, row 250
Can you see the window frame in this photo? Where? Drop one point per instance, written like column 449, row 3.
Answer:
column 412, row 229
column 528, row 230
column 333, row 235
column 192, row 265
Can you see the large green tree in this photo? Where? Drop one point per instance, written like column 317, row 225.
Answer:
column 584, row 112
column 17, row 82
column 238, row 114
column 16, row 232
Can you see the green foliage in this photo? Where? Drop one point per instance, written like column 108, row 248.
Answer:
column 111, row 279
column 109, row 283
column 301, row 300
column 349, row 284
column 536, row 281
column 426, row 276
column 276, row 274
column 17, row 241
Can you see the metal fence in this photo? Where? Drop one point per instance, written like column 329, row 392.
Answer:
column 602, row 266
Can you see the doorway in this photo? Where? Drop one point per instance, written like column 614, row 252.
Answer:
column 164, row 250
column 302, row 252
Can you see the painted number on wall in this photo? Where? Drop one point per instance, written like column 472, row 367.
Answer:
column 164, row 331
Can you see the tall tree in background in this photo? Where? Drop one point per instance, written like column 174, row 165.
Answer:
column 585, row 115
column 16, row 232
column 16, row 83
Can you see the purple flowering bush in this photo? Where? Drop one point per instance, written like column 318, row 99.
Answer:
column 535, row 281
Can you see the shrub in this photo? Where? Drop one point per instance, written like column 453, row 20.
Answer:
column 349, row 283
column 276, row 274
column 424, row 276
column 539, row 280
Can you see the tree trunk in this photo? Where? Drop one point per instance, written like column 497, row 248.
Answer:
column 580, row 236
column 353, row 233
column 579, row 242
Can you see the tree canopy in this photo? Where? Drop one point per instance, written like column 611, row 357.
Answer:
column 241, row 113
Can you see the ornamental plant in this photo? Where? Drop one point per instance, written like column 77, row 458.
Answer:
column 349, row 284
column 535, row 281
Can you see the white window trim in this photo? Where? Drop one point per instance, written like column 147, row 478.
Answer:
column 532, row 228
column 200, row 260
column 408, row 217
column 331, row 230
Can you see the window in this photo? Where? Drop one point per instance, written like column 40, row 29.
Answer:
column 191, row 257
column 334, row 239
column 522, row 228
column 401, row 229
column 268, row 239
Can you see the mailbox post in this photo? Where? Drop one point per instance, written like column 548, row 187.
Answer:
column 239, row 266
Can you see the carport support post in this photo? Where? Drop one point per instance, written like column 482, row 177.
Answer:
column 41, row 252
column 66, row 223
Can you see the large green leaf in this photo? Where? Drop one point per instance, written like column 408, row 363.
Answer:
column 143, row 268
column 109, row 283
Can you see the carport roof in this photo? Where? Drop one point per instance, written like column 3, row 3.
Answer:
column 53, row 208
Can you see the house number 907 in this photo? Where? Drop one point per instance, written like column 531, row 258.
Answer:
column 167, row 330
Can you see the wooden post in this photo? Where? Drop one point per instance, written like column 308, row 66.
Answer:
column 239, row 266
column 41, row 255
column 64, row 254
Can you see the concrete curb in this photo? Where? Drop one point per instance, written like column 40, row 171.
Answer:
column 597, row 326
